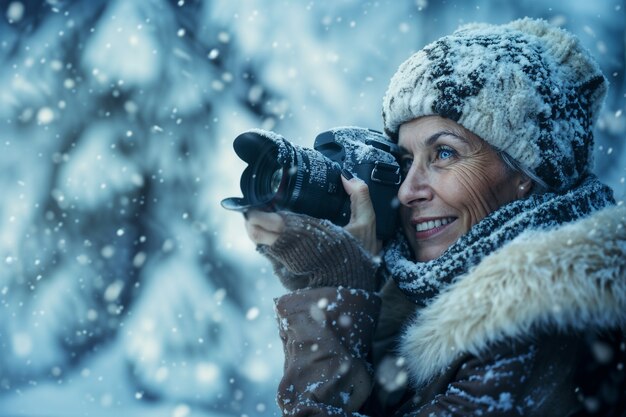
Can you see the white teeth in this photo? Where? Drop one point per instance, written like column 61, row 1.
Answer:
column 420, row 227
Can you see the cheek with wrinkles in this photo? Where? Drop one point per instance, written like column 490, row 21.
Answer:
column 478, row 193
column 471, row 200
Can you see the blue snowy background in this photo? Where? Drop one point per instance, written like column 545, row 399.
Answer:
column 125, row 290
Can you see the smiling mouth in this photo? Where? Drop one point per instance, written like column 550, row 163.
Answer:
column 430, row 225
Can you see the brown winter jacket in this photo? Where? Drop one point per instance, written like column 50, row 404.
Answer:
column 534, row 330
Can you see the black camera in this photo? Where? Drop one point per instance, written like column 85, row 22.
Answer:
column 284, row 176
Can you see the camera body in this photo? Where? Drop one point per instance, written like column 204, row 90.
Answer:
column 284, row 176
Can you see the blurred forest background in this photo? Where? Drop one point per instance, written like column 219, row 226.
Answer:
column 125, row 289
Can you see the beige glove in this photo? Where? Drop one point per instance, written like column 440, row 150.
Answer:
column 312, row 252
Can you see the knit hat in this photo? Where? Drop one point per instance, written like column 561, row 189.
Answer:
column 525, row 87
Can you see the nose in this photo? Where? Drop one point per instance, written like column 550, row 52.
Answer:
column 415, row 187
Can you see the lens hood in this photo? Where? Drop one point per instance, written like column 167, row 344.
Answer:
column 253, row 147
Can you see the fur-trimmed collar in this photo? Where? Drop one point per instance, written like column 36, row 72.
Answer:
column 570, row 278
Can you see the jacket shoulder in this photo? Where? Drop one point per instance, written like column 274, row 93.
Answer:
column 568, row 279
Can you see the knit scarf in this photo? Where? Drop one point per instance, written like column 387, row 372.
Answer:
column 421, row 281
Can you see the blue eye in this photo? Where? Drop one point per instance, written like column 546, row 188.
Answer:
column 444, row 152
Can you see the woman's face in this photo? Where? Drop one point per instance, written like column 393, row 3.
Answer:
column 452, row 179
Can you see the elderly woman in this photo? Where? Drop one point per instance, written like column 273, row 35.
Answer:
column 504, row 294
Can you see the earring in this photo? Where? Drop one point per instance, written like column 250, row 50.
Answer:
column 521, row 187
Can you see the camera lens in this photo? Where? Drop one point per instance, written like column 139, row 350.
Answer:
column 266, row 177
column 277, row 177
column 284, row 176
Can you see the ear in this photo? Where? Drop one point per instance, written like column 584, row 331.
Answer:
column 524, row 186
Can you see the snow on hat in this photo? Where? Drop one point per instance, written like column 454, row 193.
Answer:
column 525, row 87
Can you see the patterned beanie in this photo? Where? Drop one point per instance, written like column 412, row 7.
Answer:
column 526, row 87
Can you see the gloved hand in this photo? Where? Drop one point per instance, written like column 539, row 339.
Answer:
column 311, row 252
